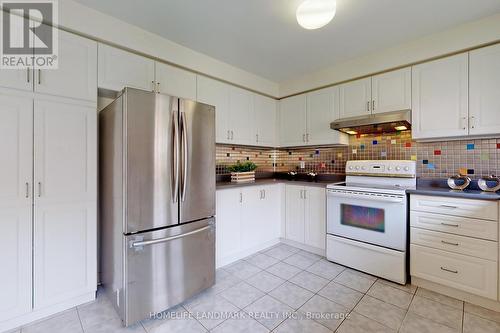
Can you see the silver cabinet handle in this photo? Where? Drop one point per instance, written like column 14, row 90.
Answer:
column 27, row 190
column 472, row 122
column 28, row 75
column 167, row 239
column 256, row 138
column 39, row 76
column 176, row 157
column 39, row 189
column 228, row 134
column 153, row 85
column 264, row 192
column 448, row 206
column 464, row 123
column 307, row 137
column 304, row 137
column 368, row 106
column 449, row 243
column 260, row 194
column 305, row 194
column 158, row 87
column 185, row 153
column 232, row 135
column 241, row 197
column 373, row 105
column 301, row 195
column 449, row 224
column 449, row 270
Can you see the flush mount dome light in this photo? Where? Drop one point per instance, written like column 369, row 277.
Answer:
column 314, row 14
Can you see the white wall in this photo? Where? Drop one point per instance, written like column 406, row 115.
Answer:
column 465, row 36
column 78, row 18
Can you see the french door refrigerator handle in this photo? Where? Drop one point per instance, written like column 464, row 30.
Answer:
column 185, row 154
column 176, row 155
column 138, row 244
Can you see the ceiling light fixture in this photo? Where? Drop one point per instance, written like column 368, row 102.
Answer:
column 314, row 14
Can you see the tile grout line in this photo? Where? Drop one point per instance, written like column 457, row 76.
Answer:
column 80, row 318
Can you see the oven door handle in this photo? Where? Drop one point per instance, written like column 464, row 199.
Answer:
column 370, row 197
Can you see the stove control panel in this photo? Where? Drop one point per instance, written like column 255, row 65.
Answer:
column 383, row 168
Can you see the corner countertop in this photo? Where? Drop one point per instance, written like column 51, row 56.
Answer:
column 439, row 187
column 270, row 179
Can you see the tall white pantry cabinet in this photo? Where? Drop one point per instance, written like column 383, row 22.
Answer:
column 48, row 186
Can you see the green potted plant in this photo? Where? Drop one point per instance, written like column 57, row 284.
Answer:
column 242, row 172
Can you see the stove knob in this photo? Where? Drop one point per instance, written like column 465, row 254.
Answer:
column 389, row 168
column 357, row 167
column 350, row 167
column 398, row 168
column 407, row 169
column 363, row 168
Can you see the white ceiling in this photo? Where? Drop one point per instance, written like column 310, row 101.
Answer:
column 263, row 37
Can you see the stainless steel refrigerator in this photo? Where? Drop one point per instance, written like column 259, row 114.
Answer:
column 157, row 194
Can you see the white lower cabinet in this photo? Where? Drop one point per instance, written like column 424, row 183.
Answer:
column 48, row 206
column 453, row 243
column 306, row 215
column 248, row 219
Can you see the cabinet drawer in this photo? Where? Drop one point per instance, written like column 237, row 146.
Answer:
column 481, row 209
column 453, row 243
column 455, row 225
column 474, row 275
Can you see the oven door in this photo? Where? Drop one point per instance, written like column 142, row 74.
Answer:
column 368, row 217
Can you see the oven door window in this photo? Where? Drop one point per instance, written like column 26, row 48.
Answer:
column 363, row 217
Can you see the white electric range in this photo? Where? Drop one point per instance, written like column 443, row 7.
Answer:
column 367, row 222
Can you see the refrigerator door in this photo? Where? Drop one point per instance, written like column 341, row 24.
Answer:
column 197, row 187
column 151, row 164
column 166, row 267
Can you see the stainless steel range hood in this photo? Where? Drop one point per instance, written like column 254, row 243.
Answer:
column 375, row 123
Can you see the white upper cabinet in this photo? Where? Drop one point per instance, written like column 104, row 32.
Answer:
column 355, row 98
column 265, row 120
column 16, row 78
column 293, row 121
column 65, row 137
column 76, row 75
column 16, row 149
column 440, row 98
column 241, row 117
column 391, row 91
column 119, row 69
column 322, row 109
column 175, row 81
column 216, row 93
column 484, row 90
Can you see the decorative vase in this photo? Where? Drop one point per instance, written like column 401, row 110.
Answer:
column 243, row 177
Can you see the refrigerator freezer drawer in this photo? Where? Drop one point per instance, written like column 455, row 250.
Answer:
column 166, row 267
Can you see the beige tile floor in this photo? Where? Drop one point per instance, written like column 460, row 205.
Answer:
column 284, row 289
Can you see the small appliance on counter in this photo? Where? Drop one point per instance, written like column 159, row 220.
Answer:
column 367, row 218
column 459, row 182
column 489, row 183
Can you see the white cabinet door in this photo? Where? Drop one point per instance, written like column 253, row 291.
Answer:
column 355, row 98
column 175, row 81
column 241, row 116
column 16, row 158
column 76, row 75
column 252, row 219
column 265, row 121
column 293, row 121
column 65, row 137
column 271, row 212
column 391, row 91
column 16, row 78
column 295, row 204
column 440, row 98
column 322, row 109
column 228, row 225
column 315, row 217
column 119, row 69
column 484, row 111
column 216, row 93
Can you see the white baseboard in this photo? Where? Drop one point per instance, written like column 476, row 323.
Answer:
column 455, row 293
column 304, row 247
column 45, row 313
column 245, row 253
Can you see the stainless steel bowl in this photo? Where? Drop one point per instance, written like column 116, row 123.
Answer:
column 458, row 182
column 485, row 183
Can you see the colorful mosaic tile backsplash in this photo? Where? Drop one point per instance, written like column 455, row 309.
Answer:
column 434, row 159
